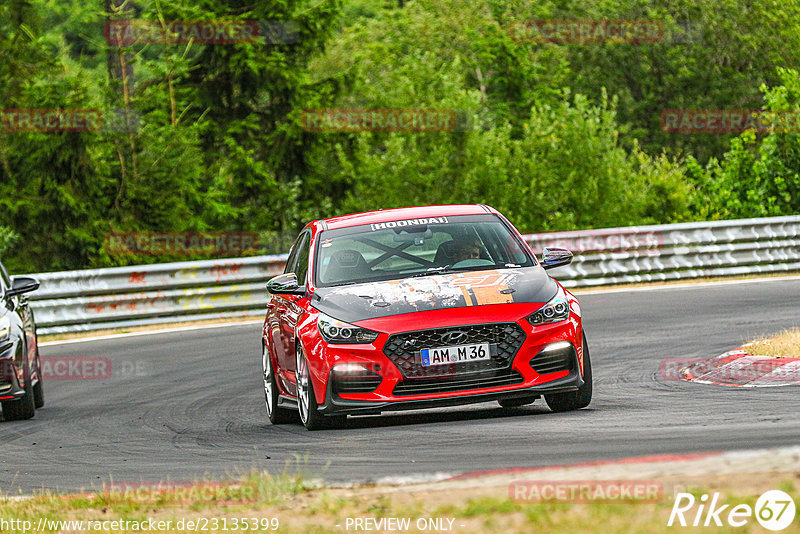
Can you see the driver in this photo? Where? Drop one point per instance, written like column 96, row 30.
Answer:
column 467, row 249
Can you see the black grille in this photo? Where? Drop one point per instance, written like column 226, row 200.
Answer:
column 505, row 340
column 553, row 362
column 459, row 383
column 356, row 384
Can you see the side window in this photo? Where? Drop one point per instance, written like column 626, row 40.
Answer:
column 302, row 259
column 291, row 261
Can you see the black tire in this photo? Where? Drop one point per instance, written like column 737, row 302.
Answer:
column 575, row 400
column 275, row 414
column 516, row 403
column 38, row 389
column 38, row 394
column 21, row 409
column 310, row 415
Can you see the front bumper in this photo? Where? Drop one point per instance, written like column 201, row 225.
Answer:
column 520, row 378
column 336, row 405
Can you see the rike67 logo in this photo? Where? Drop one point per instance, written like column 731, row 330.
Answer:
column 774, row 510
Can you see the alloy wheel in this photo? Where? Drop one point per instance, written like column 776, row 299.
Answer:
column 302, row 385
column 266, row 364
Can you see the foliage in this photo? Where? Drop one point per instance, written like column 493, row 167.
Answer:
column 550, row 161
column 759, row 176
column 7, row 238
column 565, row 171
column 204, row 137
column 196, row 136
column 714, row 54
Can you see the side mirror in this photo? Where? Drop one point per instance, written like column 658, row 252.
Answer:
column 21, row 285
column 556, row 257
column 285, row 284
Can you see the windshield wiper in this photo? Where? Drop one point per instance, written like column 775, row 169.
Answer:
column 340, row 284
column 434, row 270
column 451, row 269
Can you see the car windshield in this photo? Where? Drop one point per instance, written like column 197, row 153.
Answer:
column 418, row 247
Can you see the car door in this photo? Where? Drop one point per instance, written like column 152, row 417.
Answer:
column 286, row 311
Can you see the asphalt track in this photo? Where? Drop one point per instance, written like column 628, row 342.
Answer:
column 194, row 405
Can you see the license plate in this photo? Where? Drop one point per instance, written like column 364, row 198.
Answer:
column 455, row 354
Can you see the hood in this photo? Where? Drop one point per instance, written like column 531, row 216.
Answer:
column 358, row 302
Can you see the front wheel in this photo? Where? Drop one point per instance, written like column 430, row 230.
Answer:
column 24, row 408
column 575, row 400
column 38, row 389
column 310, row 415
column 38, row 394
column 276, row 414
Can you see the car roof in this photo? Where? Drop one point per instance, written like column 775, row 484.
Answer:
column 402, row 214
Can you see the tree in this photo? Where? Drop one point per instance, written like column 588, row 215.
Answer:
column 548, row 159
column 714, row 54
column 760, row 174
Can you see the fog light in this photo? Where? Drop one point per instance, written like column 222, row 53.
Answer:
column 350, row 369
column 554, row 347
column 355, row 378
column 555, row 357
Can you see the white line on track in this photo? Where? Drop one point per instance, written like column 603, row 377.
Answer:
column 149, row 332
column 688, row 285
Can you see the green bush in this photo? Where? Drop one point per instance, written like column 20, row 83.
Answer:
column 566, row 171
column 7, row 239
column 546, row 158
column 760, row 175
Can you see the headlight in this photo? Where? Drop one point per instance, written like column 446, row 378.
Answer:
column 5, row 327
column 335, row 331
column 552, row 312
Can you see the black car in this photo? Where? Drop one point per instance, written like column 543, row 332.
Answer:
column 21, row 388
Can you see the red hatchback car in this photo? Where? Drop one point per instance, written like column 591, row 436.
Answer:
column 419, row 307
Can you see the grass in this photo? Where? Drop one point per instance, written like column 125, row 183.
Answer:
column 299, row 507
column 786, row 344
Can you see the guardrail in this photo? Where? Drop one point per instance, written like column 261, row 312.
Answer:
column 676, row 251
column 153, row 294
